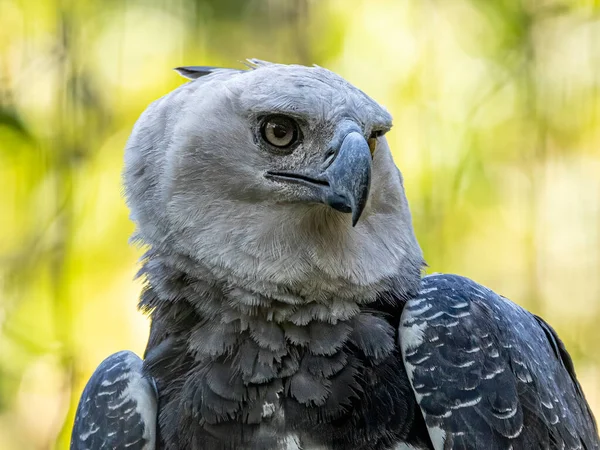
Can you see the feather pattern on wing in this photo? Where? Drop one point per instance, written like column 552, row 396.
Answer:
column 489, row 375
column 117, row 409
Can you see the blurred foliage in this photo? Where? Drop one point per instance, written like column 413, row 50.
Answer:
column 497, row 132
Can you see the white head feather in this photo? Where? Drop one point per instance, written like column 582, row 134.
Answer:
column 194, row 179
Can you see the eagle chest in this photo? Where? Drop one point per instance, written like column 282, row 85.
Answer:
column 286, row 385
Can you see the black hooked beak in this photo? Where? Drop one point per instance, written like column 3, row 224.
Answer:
column 343, row 182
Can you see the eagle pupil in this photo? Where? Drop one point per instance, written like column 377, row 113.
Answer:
column 280, row 131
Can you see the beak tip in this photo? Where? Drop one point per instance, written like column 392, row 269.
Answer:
column 355, row 218
column 356, row 214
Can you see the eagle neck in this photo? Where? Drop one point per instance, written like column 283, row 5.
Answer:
column 263, row 362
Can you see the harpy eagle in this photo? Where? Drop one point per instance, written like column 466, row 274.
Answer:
column 284, row 286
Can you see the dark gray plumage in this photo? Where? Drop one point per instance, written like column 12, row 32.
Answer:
column 117, row 408
column 488, row 374
column 283, row 280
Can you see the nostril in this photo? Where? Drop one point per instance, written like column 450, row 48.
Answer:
column 329, row 156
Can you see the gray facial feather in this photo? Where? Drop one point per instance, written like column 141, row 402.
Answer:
column 194, row 182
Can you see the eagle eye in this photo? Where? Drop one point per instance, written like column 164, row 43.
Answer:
column 280, row 131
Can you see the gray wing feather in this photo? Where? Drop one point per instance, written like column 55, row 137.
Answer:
column 117, row 409
column 489, row 375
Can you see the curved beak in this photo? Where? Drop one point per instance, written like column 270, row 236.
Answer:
column 344, row 182
column 349, row 176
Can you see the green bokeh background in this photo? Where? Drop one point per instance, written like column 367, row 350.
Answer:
column 496, row 109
